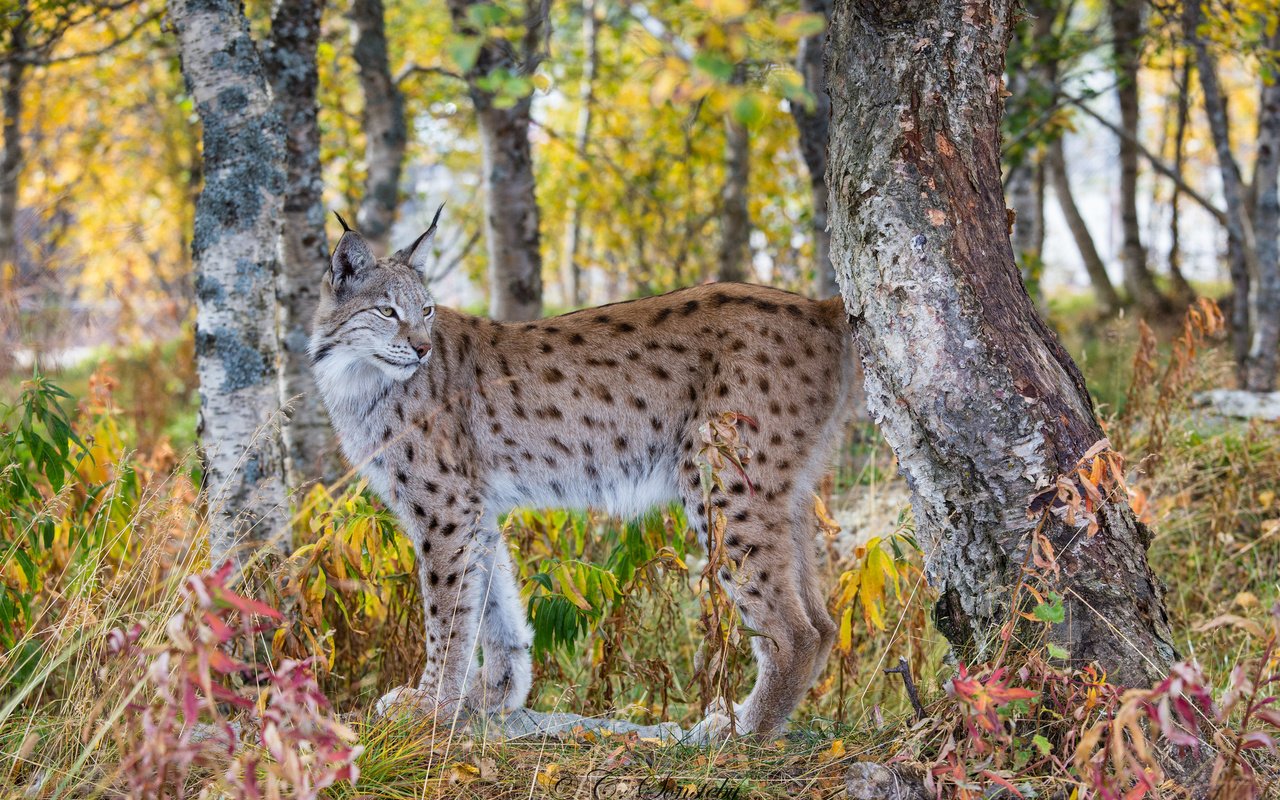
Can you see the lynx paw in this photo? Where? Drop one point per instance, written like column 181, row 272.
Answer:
column 713, row 728
column 410, row 700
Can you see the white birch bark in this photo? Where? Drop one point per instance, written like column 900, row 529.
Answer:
column 236, row 254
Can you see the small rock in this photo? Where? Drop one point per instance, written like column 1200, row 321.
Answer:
column 867, row 780
column 1245, row 405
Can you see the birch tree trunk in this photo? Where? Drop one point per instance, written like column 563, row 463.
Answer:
column 813, row 127
column 1103, row 290
column 290, row 61
column 386, row 135
column 734, row 254
column 1266, row 227
column 1239, row 233
column 511, row 218
column 1126, row 24
column 981, row 404
column 236, row 254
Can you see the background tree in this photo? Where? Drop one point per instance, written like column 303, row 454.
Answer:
column 235, row 253
column 290, row 62
column 1127, row 32
column 499, row 80
column 571, row 267
column 813, row 121
column 734, row 259
column 386, row 136
column 1252, row 251
column 935, row 300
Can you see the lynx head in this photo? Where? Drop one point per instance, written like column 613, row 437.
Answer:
column 374, row 313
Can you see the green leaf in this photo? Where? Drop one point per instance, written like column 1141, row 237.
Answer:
column 464, row 51
column 1042, row 744
column 749, row 109
column 1057, row 652
column 1051, row 611
column 714, row 64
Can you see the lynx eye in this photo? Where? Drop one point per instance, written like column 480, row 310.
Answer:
column 428, row 312
column 387, row 311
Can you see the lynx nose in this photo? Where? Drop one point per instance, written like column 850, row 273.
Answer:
column 422, row 348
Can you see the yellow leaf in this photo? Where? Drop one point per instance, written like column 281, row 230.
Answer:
column 837, row 750
column 464, row 773
column 549, row 776
column 845, row 642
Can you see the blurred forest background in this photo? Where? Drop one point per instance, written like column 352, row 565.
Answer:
column 628, row 149
column 668, row 148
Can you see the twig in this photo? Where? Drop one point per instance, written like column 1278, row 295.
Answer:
column 904, row 670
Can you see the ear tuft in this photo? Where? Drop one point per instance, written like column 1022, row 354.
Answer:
column 415, row 255
column 345, row 226
column 352, row 259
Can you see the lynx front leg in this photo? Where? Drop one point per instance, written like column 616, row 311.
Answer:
column 452, row 581
column 503, row 682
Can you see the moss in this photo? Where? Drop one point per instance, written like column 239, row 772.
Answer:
column 242, row 364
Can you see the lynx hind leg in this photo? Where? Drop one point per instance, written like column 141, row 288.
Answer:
column 766, row 587
column 804, row 528
column 502, row 683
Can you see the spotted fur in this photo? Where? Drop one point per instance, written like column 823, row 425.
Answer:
column 455, row 419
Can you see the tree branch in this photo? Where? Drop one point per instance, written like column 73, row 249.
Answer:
column 410, row 69
column 1156, row 164
column 106, row 48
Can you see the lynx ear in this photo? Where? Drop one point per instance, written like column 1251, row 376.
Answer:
column 352, row 259
column 415, row 255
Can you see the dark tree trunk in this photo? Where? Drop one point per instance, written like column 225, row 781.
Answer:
column 980, row 402
column 1093, row 263
column 1266, row 227
column 571, row 268
column 1029, row 79
column 734, row 255
column 290, row 61
column 813, row 126
column 1239, row 228
column 1126, row 24
column 511, row 204
column 1182, row 291
column 236, row 253
column 11, row 157
column 385, row 132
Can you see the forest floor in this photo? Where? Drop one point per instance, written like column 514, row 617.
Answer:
column 99, row 551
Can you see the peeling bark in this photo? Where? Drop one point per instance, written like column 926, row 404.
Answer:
column 1103, row 290
column 813, row 127
column 1126, row 24
column 978, row 399
column 386, row 134
column 235, row 250
column 290, row 61
column 511, row 216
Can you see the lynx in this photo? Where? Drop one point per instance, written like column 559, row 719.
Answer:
column 455, row 419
